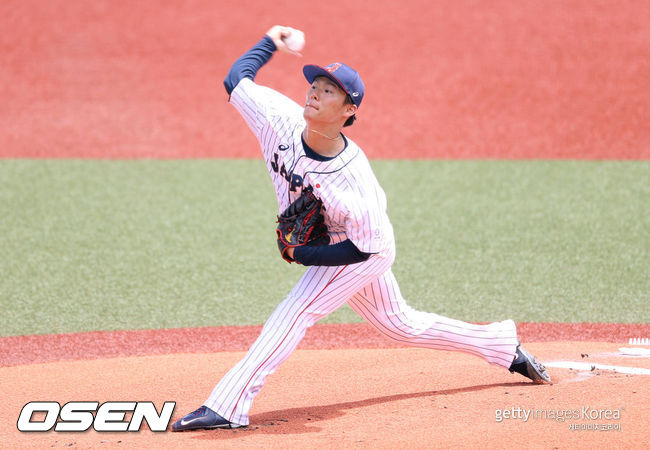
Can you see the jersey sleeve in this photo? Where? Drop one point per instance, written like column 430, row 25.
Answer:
column 265, row 111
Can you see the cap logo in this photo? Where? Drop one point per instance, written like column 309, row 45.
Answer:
column 333, row 67
column 355, row 94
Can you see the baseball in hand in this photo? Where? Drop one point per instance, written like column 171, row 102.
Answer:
column 295, row 41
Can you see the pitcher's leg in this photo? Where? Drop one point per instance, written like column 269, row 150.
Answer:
column 233, row 395
column 319, row 292
column 382, row 305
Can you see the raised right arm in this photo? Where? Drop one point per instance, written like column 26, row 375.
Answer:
column 252, row 61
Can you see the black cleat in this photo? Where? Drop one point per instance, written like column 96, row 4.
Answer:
column 203, row 418
column 526, row 365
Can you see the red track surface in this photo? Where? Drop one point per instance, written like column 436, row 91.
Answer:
column 461, row 79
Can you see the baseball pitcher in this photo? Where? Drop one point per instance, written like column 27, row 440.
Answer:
column 332, row 220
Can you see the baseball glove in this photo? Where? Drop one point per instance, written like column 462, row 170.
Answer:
column 302, row 223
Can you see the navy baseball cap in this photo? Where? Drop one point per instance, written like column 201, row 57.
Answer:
column 344, row 76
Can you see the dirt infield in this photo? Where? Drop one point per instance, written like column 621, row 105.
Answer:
column 20, row 350
column 331, row 393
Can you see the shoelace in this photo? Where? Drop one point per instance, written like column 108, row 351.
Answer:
column 199, row 412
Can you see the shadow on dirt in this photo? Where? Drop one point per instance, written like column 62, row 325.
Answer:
column 305, row 419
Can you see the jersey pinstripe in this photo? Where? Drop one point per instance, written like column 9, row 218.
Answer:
column 355, row 203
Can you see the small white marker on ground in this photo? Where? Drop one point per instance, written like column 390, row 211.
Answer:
column 635, row 351
column 575, row 365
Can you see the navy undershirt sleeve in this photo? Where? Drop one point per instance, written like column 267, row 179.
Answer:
column 249, row 63
column 340, row 254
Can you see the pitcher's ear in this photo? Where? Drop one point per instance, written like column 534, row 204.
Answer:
column 350, row 110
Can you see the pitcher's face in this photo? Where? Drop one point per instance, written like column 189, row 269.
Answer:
column 326, row 103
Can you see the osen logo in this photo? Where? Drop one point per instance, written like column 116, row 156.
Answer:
column 78, row 416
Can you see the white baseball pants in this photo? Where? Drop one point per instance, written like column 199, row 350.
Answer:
column 372, row 291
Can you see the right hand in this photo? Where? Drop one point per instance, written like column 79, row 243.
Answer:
column 277, row 33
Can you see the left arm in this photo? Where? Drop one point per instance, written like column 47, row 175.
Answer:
column 340, row 254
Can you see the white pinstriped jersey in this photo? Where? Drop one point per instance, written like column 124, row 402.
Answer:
column 354, row 202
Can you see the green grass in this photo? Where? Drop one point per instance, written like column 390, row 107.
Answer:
column 104, row 245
